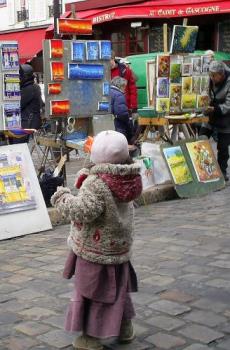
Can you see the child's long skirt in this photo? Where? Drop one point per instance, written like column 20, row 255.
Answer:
column 101, row 298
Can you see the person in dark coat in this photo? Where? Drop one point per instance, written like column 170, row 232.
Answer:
column 31, row 101
column 219, row 112
column 119, row 108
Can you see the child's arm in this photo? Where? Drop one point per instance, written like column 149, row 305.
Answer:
column 86, row 206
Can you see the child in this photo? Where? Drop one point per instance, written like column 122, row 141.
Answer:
column 119, row 108
column 101, row 238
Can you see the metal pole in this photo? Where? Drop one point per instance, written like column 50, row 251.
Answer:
column 56, row 11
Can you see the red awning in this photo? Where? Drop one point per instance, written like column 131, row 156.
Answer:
column 157, row 9
column 29, row 42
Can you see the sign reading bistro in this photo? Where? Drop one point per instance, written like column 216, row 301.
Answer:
column 159, row 12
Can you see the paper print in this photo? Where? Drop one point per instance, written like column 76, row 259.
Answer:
column 186, row 69
column 175, row 97
column 188, row 102
column 11, row 86
column 78, row 51
column 203, row 160
column 92, row 50
column 12, row 115
column 150, row 76
column 59, row 108
column 205, row 62
column 74, row 26
column 56, row 48
column 105, row 50
column 196, row 85
column 204, row 85
column 103, row 106
column 162, row 105
column 196, row 65
column 15, row 188
column 183, row 39
column 162, row 87
column 186, row 85
column 177, row 165
column 57, row 71
column 85, row 71
column 10, row 60
column 202, row 101
column 106, row 88
column 163, row 65
column 54, row 88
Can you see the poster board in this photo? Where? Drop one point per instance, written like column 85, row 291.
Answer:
column 193, row 167
column 22, row 207
column 77, row 78
column 10, row 113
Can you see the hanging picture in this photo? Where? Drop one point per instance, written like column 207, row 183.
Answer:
column 205, row 62
column 186, row 69
column 12, row 115
column 204, row 85
column 57, row 71
column 103, row 106
column 188, row 102
column 92, row 50
column 54, row 88
column 163, row 65
column 74, row 26
column 175, row 72
column 186, row 85
column 56, row 48
column 150, row 74
column 59, row 108
column 177, row 165
column 183, row 39
column 203, row 161
column 162, row 87
column 106, row 88
column 202, row 101
column 175, row 98
column 10, row 60
column 85, row 71
column 11, row 86
column 78, row 51
column 196, row 66
column 105, row 50
column 162, row 105
column 196, row 85
column 15, row 187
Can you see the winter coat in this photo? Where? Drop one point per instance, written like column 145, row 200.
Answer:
column 220, row 100
column 101, row 214
column 30, row 105
column 125, row 72
column 118, row 104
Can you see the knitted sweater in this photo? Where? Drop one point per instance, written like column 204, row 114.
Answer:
column 101, row 214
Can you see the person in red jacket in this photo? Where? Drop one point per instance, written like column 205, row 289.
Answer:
column 122, row 70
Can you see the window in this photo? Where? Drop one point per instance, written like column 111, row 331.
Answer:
column 3, row 2
column 51, row 9
column 132, row 41
column 22, row 15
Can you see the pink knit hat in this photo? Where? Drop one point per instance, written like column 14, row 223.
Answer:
column 109, row 147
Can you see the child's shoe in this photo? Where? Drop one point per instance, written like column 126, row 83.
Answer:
column 85, row 342
column 127, row 333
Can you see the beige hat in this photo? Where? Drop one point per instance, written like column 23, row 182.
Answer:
column 109, row 147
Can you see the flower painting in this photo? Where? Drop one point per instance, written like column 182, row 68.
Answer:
column 183, row 39
column 202, row 101
column 163, row 65
column 162, row 105
column 203, row 161
column 162, row 87
column 177, row 165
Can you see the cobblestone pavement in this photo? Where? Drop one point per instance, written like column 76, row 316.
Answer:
column 182, row 258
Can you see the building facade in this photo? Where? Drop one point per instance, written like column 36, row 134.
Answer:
column 135, row 27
